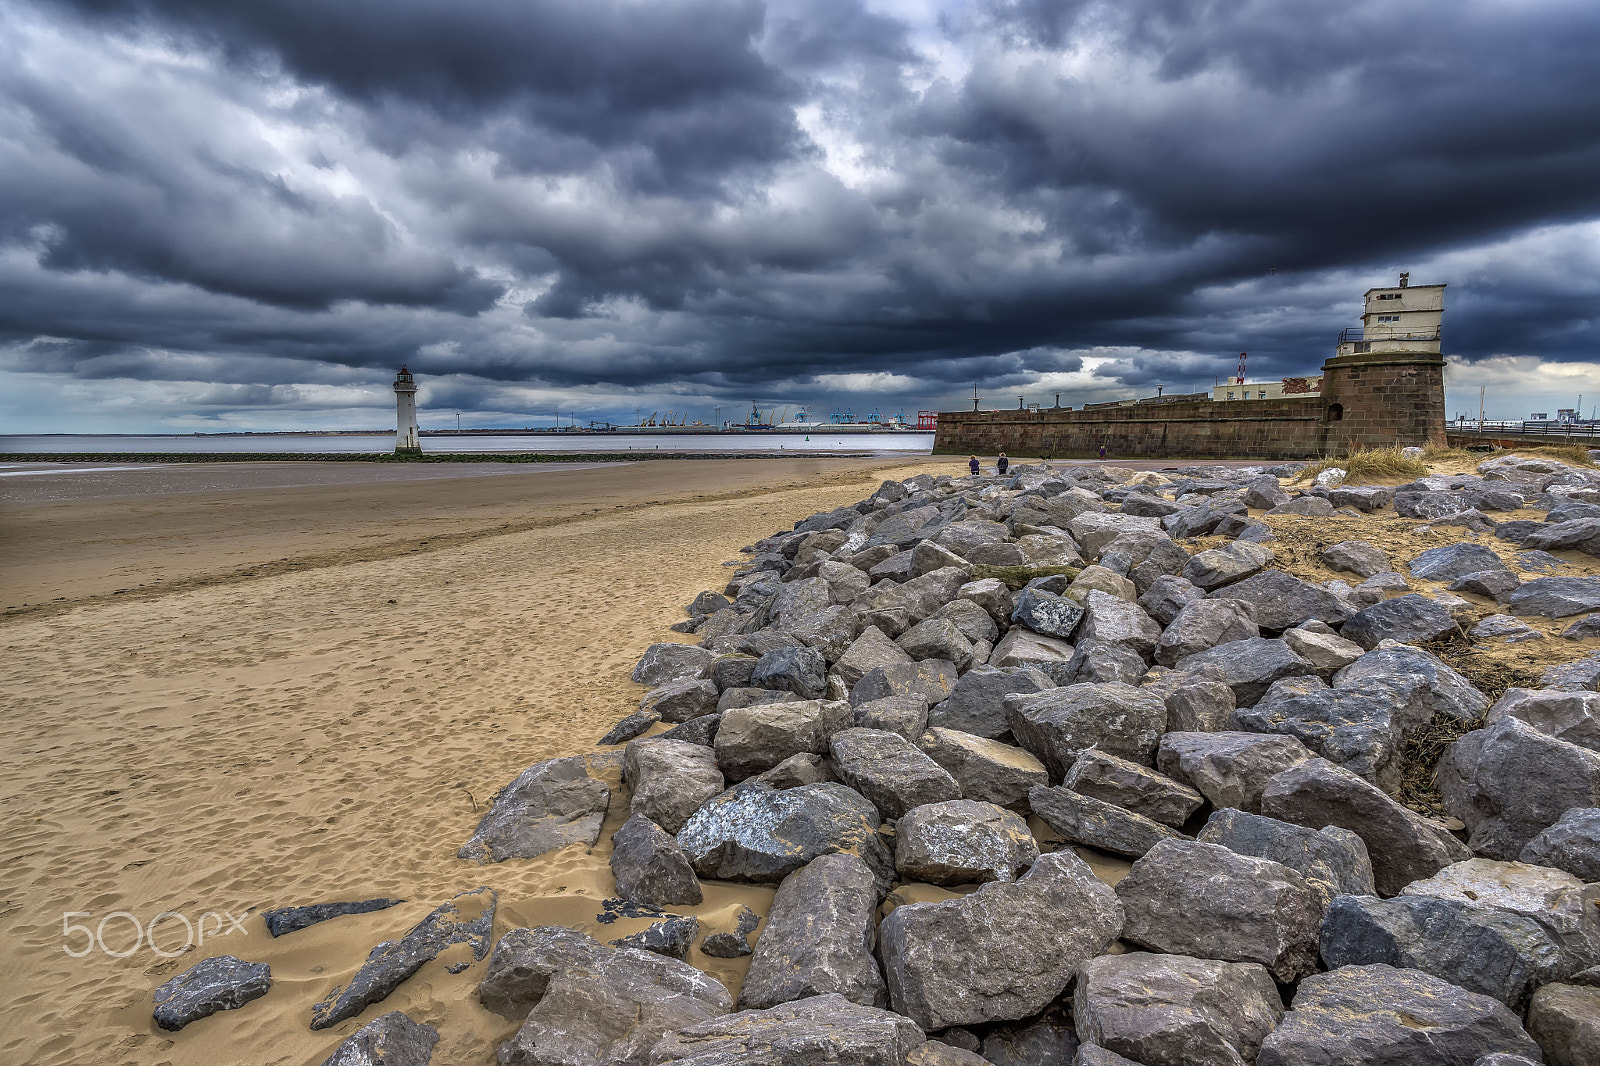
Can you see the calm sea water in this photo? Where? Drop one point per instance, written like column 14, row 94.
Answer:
column 567, row 443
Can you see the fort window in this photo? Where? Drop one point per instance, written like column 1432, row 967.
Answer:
column 1335, row 412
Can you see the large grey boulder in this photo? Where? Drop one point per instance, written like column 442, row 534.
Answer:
column 216, row 984
column 1403, row 845
column 796, row 770
column 1509, row 782
column 669, row 662
column 802, row 671
column 467, row 918
column 1565, row 1021
column 1041, row 1040
column 1564, row 906
column 1099, row 662
column 1450, row 561
column 1001, row 953
column 1359, row 557
column 973, row 621
column 670, row 779
column 1283, row 601
column 1197, row 701
column 756, row 738
column 927, row 556
column 1264, row 493
column 932, row 679
column 1223, row 566
column 1412, row 618
column 1333, row 861
column 890, row 771
column 1570, row 716
column 1166, row 596
column 937, row 638
column 1060, row 724
column 990, row 593
column 1204, row 624
column 830, row 632
column 391, row 1039
column 1046, row 613
column 960, row 842
column 976, row 704
column 906, row 715
column 681, row 700
column 984, row 769
column 1362, row 497
column 1322, row 648
column 1022, row 647
column 1482, row 949
column 1428, row 504
column 1556, row 597
column 819, row 938
column 673, row 936
column 701, row 731
column 754, row 833
column 1174, row 1010
column 819, row 1029
column 1229, row 768
column 1106, row 777
column 550, row 805
column 1095, row 530
column 1383, row 1016
column 283, row 920
column 1418, row 676
column 1104, row 826
column 1116, row 620
column 1571, row 844
column 1185, row 897
column 871, row 649
column 921, row 596
column 581, row 1001
column 796, row 599
column 650, row 867
column 1249, row 667
column 845, row 582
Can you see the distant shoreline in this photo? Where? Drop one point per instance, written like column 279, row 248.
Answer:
column 384, row 457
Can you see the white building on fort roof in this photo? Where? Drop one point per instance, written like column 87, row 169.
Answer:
column 1405, row 318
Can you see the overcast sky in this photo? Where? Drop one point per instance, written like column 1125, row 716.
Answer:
column 221, row 214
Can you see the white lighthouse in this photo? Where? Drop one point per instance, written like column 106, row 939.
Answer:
column 406, row 440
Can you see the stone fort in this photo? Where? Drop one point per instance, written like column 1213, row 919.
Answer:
column 1384, row 388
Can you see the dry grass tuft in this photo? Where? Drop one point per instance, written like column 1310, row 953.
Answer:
column 1368, row 464
column 1437, row 453
column 1575, row 454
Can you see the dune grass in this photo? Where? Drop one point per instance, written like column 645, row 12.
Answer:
column 1367, row 464
column 1575, row 454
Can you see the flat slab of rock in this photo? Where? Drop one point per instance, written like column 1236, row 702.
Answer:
column 960, row 842
column 1283, row 601
column 985, row 770
column 217, row 984
column 1403, row 845
column 549, row 805
column 754, row 833
column 1173, row 1010
column 468, row 919
column 1139, row 789
column 819, row 938
column 1482, row 949
column 821, row 1029
column 1383, row 1016
column 1333, row 861
column 1229, row 768
column 1556, row 597
column 1451, row 561
column 757, row 738
column 669, row 662
column 1060, row 724
column 1250, row 667
column 1410, row 619
column 289, row 919
column 1185, row 897
column 650, row 867
column 391, row 1039
column 581, row 1001
column 931, row 679
column 890, row 771
column 1001, row 953
column 1224, row 565
column 1097, row 824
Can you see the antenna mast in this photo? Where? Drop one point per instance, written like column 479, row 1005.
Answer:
column 1241, row 366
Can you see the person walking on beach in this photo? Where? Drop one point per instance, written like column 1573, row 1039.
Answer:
column 972, row 465
column 1102, row 451
column 1003, row 463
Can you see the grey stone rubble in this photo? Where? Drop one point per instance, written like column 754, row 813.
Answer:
column 217, row 984
column 893, row 692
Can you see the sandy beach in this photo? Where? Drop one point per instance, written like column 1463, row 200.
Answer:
column 309, row 694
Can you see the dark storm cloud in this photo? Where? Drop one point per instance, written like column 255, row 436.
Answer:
column 738, row 197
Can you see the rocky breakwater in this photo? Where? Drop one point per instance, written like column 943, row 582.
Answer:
column 927, row 719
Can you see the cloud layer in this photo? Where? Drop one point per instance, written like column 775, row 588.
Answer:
column 248, row 213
